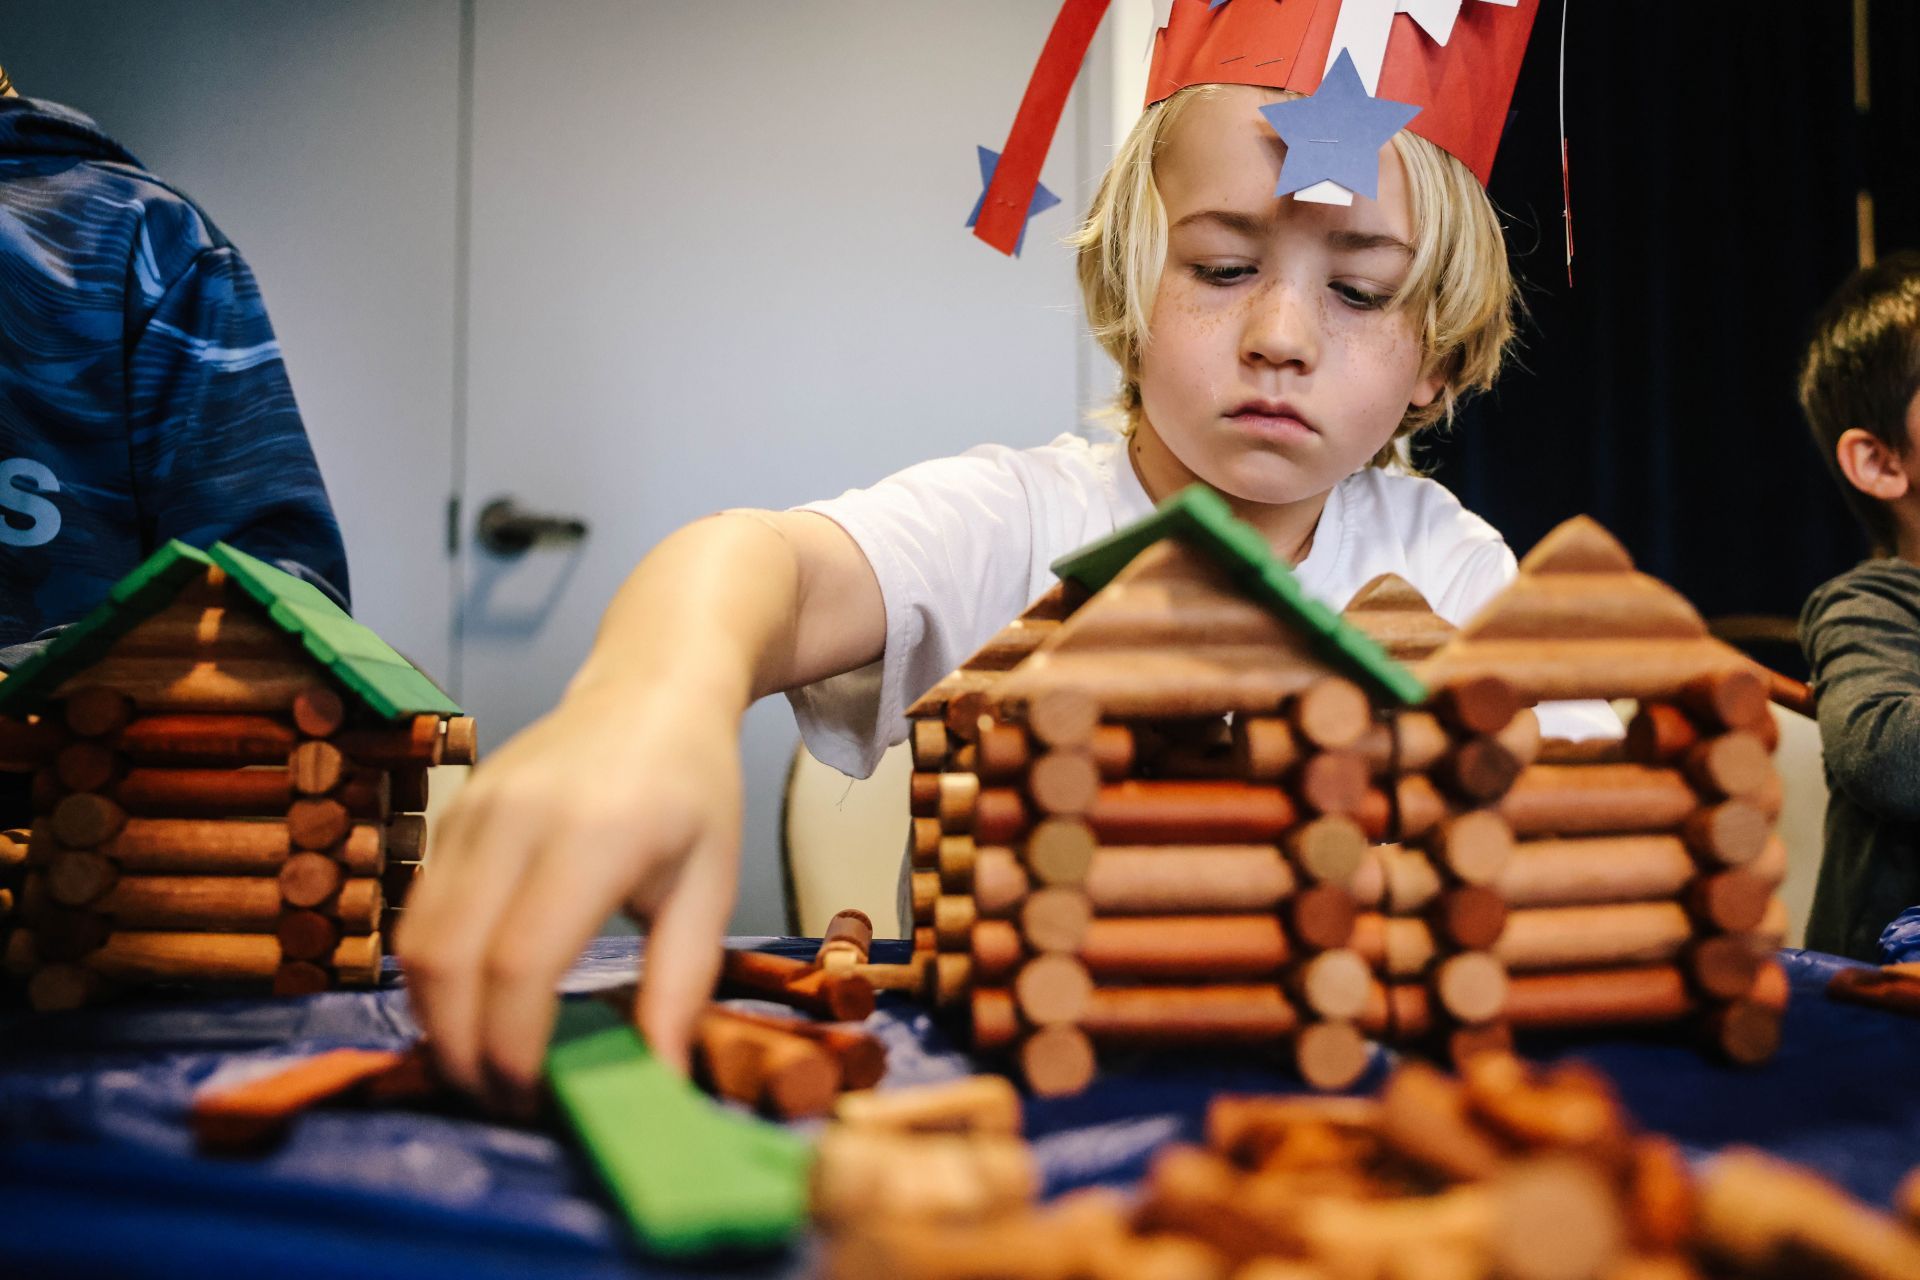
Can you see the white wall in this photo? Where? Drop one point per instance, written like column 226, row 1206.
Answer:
column 715, row 251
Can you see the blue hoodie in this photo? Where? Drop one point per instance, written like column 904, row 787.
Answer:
column 142, row 394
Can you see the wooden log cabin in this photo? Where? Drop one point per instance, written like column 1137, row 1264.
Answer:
column 228, row 785
column 1179, row 803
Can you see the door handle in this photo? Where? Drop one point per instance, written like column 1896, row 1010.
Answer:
column 507, row 529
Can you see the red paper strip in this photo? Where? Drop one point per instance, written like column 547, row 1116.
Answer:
column 1011, row 192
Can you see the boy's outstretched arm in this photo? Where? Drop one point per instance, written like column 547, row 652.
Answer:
column 627, row 794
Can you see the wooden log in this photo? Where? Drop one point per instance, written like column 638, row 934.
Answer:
column 306, row 935
column 1732, row 699
column 460, row 743
column 1060, row 851
column 1330, row 1055
column 206, row 793
column 848, row 940
column 1766, row 1216
column 1176, row 880
column 1332, row 782
column 923, row 796
column 160, row 846
column 249, row 1115
column 1193, row 948
column 1731, row 833
column 999, row 882
column 1005, row 752
column 1056, row 919
column 1729, row 765
column 1572, row 668
column 1000, row 816
column 318, row 823
column 1406, row 742
column 405, row 838
column 995, row 1018
column 788, row 981
column 926, row 841
column 949, row 978
column 1320, row 917
column 1063, row 717
column 1479, row 769
column 97, row 711
column 1331, row 713
column 318, row 710
column 1189, row 813
column 1328, row 850
column 1470, row 916
column 966, row 710
column 79, row 877
column 1477, row 704
column 87, row 765
column 230, row 740
column 1616, row 934
column 925, row 889
column 971, row 1104
column 308, row 879
column 954, row 863
column 862, row 1175
column 1570, row 800
column 187, row 684
column 142, row 957
column 1064, row 782
column 1057, row 1061
column 1474, row 846
column 1734, row 901
column 1265, row 748
column 1052, row 989
column 953, row 919
column 1602, row 997
column 409, row 788
column 997, row 952
column 228, row 904
column 1471, row 986
column 1332, row 984
column 862, row 1057
column 930, row 744
column 84, row 820
column 1597, row 870
column 788, row 1075
column 1184, row 1015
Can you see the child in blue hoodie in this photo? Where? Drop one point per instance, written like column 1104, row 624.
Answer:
column 142, row 394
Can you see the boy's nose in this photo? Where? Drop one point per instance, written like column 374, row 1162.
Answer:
column 1280, row 329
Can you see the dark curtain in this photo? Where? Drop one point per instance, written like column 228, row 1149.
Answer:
column 1715, row 154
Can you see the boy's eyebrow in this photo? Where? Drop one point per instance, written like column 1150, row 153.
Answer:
column 1359, row 240
column 1233, row 220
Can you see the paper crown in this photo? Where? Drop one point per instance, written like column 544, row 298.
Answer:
column 1453, row 62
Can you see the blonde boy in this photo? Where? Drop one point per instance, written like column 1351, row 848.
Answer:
column 1272, row 347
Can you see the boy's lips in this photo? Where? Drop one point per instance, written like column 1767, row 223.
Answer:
column 1280, row 416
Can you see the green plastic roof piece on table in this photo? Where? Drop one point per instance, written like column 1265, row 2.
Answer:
column 364, row 664
column 1202, row 519
column 689, row 1175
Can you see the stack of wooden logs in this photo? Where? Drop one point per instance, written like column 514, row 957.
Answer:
column 1508, row 1174
column 177, row 841
column 1642, row 884
column 957, row 807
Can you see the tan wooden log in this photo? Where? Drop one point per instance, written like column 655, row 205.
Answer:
column 1182, row 1015
column 140, row 957
column 1568, row 800
column 160, row 846
column 1174, row 880
column 1765, row 1215
column 1185, row 948
column 1000, row 882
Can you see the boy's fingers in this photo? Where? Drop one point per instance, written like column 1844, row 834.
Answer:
column 683, row 948
column 578, row 880
column 448, row 934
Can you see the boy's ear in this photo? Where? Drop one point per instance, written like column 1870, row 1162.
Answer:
column 1871, row 465
column 1428, row 388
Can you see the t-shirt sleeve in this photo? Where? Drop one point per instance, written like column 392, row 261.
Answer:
column 1862, row 639
column 951, row 543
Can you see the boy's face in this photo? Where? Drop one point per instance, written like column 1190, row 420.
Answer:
column 1273, row 370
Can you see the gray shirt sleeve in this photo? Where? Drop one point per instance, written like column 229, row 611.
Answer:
column 1861, row 633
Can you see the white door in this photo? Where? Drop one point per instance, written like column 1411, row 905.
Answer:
column 718, row 260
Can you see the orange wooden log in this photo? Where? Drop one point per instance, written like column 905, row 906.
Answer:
column 798, row 984
column 1189, row 813
column 862, row 1057
column 1000, row 882
column 203, row 793
column 188, row 684
column 788, row 1075
column 245, row 1116
column 1057, row 1061
column 152, row 846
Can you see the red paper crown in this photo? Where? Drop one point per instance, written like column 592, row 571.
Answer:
column 1457, row 60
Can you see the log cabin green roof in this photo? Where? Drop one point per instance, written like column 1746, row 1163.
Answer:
column 364, row 665
column 1201, row 518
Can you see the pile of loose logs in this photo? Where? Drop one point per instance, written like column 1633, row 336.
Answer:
column 1508, row 1174
column 183, row 845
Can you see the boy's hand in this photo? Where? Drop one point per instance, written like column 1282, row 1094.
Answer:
column 619, row 798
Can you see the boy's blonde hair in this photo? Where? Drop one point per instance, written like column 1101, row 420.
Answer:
column 1459, row 286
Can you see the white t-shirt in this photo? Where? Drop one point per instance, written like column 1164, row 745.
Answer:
column 961, row 546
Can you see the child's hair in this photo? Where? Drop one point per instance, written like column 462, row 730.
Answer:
column 1862, row 369
column 1459, row 285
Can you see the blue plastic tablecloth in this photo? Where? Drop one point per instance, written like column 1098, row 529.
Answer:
column 98, row 1174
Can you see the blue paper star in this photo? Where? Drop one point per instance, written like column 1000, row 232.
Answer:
column 1336, row 134
column 1043, row 199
